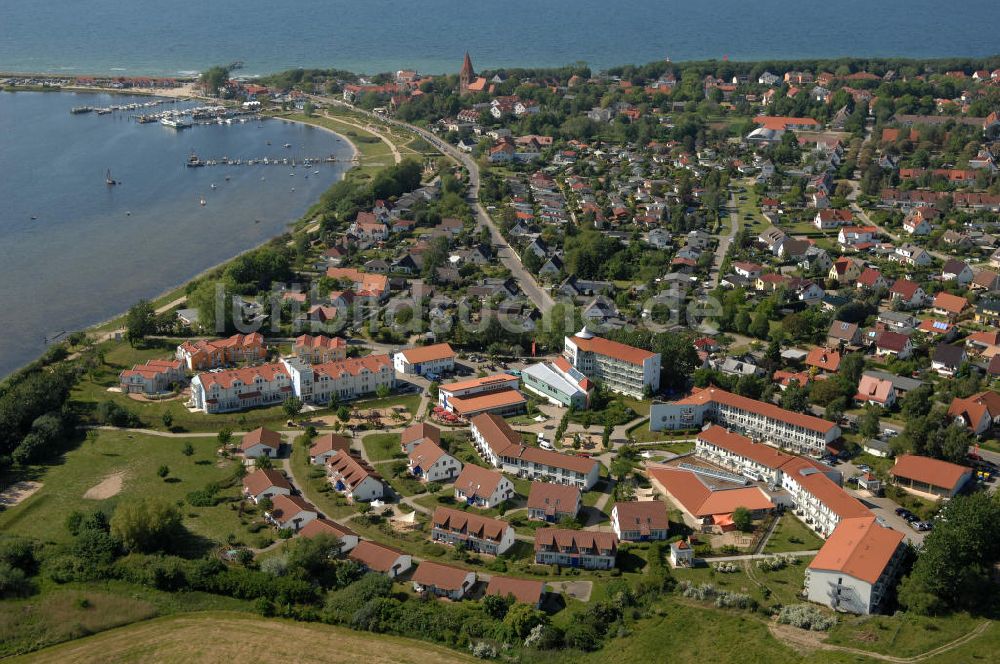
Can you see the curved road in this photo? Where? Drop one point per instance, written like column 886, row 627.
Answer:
column 538, row 296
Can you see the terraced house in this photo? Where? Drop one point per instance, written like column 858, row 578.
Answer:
column 340, row 380
column 618, row 367
column 471, row 531
column 205, row 354
column 238, row 389
column 575, row 548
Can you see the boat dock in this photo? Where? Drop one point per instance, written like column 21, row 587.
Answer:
column 292, row 162
column 121, row 108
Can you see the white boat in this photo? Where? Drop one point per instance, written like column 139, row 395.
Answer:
column 175, row 121
column 202, row 202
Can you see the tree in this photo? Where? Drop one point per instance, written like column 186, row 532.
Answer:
column 522, row 618
column 263, row 462
column 794, row 398
column 308, row 109
column 343, row 413
column 146, row 525
column 187, row 450
column 163, row 471
column 382, row 391
column 213, row 78
column 869, row 422
column 140, row 321
column 742, row 519
column 168, row 419
column 225, row 436
column 496, row 606
column 292, row 406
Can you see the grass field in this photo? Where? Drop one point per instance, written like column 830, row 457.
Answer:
column 223, row 636
column 382, row 446
column 134, row 458
column 792, row 535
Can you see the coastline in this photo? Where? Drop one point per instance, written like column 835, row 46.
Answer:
column 105, row 328
column 172, row 289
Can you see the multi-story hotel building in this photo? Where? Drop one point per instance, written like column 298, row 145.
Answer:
column 618, row 367
column 761, row 421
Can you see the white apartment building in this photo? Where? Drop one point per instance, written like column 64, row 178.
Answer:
column 618, row 367
column 340, row 380
column 238, row 389
column 431, row 360
column 501, row 447
column 761, row 421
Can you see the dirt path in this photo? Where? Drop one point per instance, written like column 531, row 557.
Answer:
column 396, row 156
column 106, row 488
column 799, row 638
column 18, row 493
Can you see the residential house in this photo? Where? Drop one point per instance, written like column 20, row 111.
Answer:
column 443, row 580
column 266, row 483
column 893, row 344
column 417, row 433
column 988, row 312
column 380, row 558
column 205, row 354
column 845, row 269
column 471, row 531
column 260, row 442
column 481, row 487
column 843, row 334
column 957, row 271
column 353, row 477
column 326, row 447
column 348, row 538
column 950, row 306
column 553, row 502
column 290, row 512
column 432, row 360
column 911, row 254
column 908, row 293
column 152, row 378
column 979, row 412
column 827, row 219
column 640, row 521
column 947, row 359
column 319, row 349
column 872, row 280
column 430, row 463
column 872, row 390
column 575, row 548
column 826, row 360
column 524, row 591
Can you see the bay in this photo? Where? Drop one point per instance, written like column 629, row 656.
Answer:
column 92, row 250
column 168, row 38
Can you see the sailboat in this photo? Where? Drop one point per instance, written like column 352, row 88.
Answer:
column 109, row 180
column 202, row 202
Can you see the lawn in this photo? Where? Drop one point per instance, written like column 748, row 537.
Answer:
column 62, row 613
column 792, row 535
column 409, row 401
column 902, row 636
column 226, row 636
column 641, row 433
column 382, row 447
column 134, row 459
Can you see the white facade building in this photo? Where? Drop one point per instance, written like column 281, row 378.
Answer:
column 618, row 367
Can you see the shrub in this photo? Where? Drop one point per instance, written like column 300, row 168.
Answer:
column 484, row 650
column 806, row 616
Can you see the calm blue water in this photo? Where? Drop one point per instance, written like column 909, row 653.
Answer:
column 164, row 38
column 84, row 259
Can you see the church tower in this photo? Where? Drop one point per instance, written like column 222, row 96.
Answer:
column 466, row 76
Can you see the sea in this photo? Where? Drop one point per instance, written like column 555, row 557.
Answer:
column 75, row 251
column 152, row 37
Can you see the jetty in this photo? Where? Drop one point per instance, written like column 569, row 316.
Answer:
column 292, row 162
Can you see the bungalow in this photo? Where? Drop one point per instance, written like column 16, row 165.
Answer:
column 747, row 270
column 432, row 360
column 950, row 306
column 348, row 538
column 326, row 447
column 640, row 521
column 260, row 442
column 291, row 512
column 946, row 359
column 524, row 591
column 417, row 433
column 553, row 502
column 980, row 412
column 380, row 558
column 907, row 293
column 471, row 531
column 265, row 484
column 354, row 478
column 575, row 548
column 443, row 580
column 893, row 344
column 929, row 477
column 957, row 271
column 481, row 487
column 430, row 463
column 875, row 391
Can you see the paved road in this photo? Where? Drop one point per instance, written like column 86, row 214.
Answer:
column 538, row 296
column 724, row 243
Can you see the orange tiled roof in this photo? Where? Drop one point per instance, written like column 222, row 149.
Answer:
column 858, row 547
column 929, row 471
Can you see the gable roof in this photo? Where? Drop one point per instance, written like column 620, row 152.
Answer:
column 285, row 508
column 377, row 557
column 643, row 515
column 858, row 547
column 699, row 499
column 261, row 436
column 575, row 539
column 478, row 526
column 419, row 354
column 972, row 409
column 478, row 481
column 953, row 304
column 929, row 471
column 420, row 430
column 325, row 527
column 760, row 407
column 525, row 591
column 441, row 576
column 261, row 480
column 426, row 454
column 826, row 359
column 329, row 442
column 553, row 498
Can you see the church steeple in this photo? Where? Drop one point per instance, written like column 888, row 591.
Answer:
column 466, row 75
